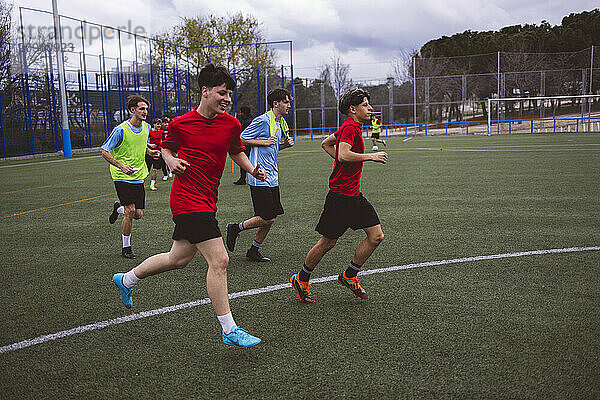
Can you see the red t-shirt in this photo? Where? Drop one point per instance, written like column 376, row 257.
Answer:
column 345, row 178
column 204, row 144
column 155, row 137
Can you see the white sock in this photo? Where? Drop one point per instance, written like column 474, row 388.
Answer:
column 241, row 226
column 152, row 182
column 126, row 240
column 130, row 279
column 121, row 210
column 227, row 322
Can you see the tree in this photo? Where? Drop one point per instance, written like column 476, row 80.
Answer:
column 335, row 74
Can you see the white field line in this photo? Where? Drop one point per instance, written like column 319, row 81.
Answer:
column 407, row 139
column 36, row 163
column 103, row 324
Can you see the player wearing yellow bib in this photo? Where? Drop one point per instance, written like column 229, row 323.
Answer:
column 125, row 150
column 376, row 124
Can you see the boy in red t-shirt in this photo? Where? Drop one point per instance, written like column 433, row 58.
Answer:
column 195, row 150
column 155, row 139
column 345, row 206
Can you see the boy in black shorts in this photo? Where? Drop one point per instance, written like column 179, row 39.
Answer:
column 345, row 206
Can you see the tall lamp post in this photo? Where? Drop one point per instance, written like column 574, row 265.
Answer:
column 66, row 132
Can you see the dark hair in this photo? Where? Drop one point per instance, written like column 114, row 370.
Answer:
column 166, row 118
column 156, row 121
column 245, row 110
column 278, row 94
column 133, row 100
column 211, row 76
column 352, row 97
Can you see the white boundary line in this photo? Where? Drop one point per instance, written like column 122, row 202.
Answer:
column 103, row 324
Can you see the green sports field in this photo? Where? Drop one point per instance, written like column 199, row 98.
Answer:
column 511, row 326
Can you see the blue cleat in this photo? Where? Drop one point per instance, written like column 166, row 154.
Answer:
column 239, row 337
column 125, row 292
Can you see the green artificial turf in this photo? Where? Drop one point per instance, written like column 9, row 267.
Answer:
column 522, row 327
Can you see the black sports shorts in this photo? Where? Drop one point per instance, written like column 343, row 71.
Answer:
column 266, row 201
column 375, row 135
column 196, row 227
column 131, row 193
column 341, row 212
column 157, row 163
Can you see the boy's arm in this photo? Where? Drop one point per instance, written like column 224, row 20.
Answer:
column 347, row 155
column 329, row 145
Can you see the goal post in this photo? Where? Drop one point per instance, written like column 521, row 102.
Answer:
column 544, row 114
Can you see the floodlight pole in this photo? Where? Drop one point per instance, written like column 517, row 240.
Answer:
column 66, row 133
column 591, row 88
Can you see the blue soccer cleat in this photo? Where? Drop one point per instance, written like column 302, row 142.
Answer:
column 239, row 337
column 125, row 292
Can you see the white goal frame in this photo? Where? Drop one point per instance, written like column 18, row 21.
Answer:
column 499, row 99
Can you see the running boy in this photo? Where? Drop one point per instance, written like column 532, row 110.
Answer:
column 345, row 206
column 195, row 150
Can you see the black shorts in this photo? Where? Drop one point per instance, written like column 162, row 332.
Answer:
column 375, row 135
column 157, row 163
column 196, row 227
column 342, row 212
column 131, row 193
column 266, row 201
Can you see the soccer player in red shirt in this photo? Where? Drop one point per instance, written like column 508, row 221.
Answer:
column 345, row 206
column 195, row 150
column 155, row 139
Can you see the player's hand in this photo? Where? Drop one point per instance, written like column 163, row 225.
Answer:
column 127, row 169
column 290, row 141
column 380, row 157
column 259, row 173
column 178, row 166
column 270, row 141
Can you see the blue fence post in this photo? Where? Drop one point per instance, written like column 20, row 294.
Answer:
column 176, row 82
column 531, row 126
column 405, row 130
column 554, row 129
column 467, row 128
column 166, row 99
column 509, row 127
column 189, row 93
column 577, row 125
column 234, row 79
column 446, row 129
column 151, row 80
column 386, row 131
column 426, row 127
column 53, row 104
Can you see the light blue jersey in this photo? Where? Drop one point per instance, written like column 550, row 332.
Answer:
column 266, row 156
column 115, row 138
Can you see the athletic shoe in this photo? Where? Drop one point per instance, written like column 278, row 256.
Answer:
column 114, row 215
column 375, row 148
column 127, row 252
column 354, row 285
column 239, row 337
column 153, row 187
column 302, row 289
column 383, row 142
column 125, row 291
column 170, row 174
column 233, row 231
column 254, row 255
column 165, row 178
column 239, row 182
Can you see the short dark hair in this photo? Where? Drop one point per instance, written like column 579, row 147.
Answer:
column 278, row 94
column 133, row 100
column 211, row 76
column 156, row 121
column 352, row 97
column 166, row 118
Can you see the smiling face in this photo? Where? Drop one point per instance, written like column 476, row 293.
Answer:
column 215, row 100
column 362, row 112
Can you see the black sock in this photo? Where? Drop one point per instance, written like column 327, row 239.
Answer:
column 304, row 274
column 352, row 270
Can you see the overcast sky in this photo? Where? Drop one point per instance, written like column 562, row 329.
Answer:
column 367, row 34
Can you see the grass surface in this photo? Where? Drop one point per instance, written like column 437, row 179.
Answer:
column 526, row 327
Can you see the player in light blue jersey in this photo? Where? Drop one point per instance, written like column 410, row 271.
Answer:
column 267, row 134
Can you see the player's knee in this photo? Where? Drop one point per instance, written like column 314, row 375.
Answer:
column 180, row 262
column 267, row 222
column 328, row 244
column 376, row 238
column 138, row 214
column 222, row 262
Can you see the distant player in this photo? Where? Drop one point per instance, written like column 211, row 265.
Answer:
column 155, row 138
column 195, row 150
column 376, row 124
column 165, row 130
column 267, row 134
column 125, row 150
column 345, row 206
